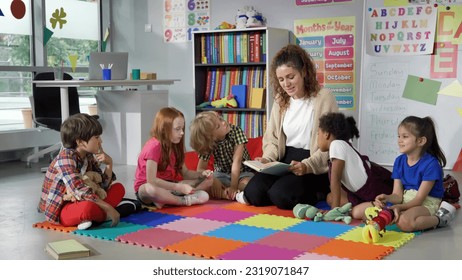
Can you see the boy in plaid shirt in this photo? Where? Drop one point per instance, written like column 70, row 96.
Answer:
column 80, row 136
column 211, row 135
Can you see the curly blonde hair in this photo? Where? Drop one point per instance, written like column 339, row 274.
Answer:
column 296, row 57
column 201, row 129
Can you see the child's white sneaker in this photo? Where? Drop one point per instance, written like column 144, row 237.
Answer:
column 241, row 199
column 198, row 197
column 84, row 225
column 446, row 214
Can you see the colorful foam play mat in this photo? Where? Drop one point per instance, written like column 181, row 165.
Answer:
column 231, row 231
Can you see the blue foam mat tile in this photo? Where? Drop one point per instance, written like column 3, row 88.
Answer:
column 241, row 232
column 327, row 229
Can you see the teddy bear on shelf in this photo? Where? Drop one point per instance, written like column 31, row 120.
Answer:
column 254, row 18
column 241, row 18
column 303, row 211
column 93, row 180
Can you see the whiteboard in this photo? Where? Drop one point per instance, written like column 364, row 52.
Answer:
column 382, row 107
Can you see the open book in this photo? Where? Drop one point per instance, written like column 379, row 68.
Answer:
column 67, row 249
column 272, row 168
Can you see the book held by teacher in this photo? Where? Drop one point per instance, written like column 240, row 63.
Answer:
column 67, row 249
column 272, row 168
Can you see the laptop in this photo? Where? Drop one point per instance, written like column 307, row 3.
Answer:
column 118, row 60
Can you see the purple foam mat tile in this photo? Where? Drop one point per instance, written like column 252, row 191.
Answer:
column 293, row 240
column 219, row 203
column 313, row 256
column 150, row 218
column 224, row 215
column 157, row 238
column 105, row 231
column 260, row 252
column 193, row 225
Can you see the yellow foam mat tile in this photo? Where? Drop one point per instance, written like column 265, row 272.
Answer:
column 270, row 221
column 390, row 238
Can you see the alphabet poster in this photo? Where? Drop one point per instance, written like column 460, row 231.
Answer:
column 408, row 30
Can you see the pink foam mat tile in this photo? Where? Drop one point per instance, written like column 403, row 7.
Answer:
column 187, row 211
column 156, row 238
column 224, row 215
column 193, row 225
column 313, row 256
column 219, row 203
column 293, row 240
column 260, row 252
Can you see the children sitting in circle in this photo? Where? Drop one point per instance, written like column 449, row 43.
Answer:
column 161, row 176
column 212, row 135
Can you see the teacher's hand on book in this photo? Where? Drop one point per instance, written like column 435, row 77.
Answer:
column 262, row 160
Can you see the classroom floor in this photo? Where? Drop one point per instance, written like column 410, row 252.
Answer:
column 19, row 195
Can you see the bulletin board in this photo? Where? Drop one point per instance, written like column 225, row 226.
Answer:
column 395, row 86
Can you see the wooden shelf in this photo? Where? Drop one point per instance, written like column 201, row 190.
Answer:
column 223, row 58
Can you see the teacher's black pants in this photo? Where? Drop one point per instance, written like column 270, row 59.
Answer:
column 288, row 190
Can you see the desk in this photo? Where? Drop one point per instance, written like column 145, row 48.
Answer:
column 126, row 115
column 66, row 84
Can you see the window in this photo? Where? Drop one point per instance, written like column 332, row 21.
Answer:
column 71, row 32
column 75, row 32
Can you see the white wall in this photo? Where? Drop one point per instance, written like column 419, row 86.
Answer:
column 174, row 60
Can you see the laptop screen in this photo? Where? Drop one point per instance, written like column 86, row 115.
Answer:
column 117, row 60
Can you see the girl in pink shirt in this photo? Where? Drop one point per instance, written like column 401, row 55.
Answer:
column 161, row 175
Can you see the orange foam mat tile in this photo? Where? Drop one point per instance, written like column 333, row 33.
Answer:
column 48, row 225
column 248, row 208
column 390, row 238
column 353, row 250
column 281, row 212
column 205, row 246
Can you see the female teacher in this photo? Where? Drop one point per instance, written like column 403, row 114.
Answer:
column 290, row 137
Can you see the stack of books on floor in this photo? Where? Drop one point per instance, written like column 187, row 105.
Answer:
column 67, row 249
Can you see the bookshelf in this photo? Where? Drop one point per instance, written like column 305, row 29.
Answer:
column 223, row 58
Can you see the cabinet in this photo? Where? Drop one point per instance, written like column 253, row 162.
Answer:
column 225, row 58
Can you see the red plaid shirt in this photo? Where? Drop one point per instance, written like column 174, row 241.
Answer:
column 64, row 175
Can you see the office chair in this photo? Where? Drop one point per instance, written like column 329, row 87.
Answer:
column 46, row 109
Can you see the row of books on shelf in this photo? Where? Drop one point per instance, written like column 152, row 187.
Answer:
column 254, row 98
column 221, row 79
column 236, row 47
column 253, row 124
